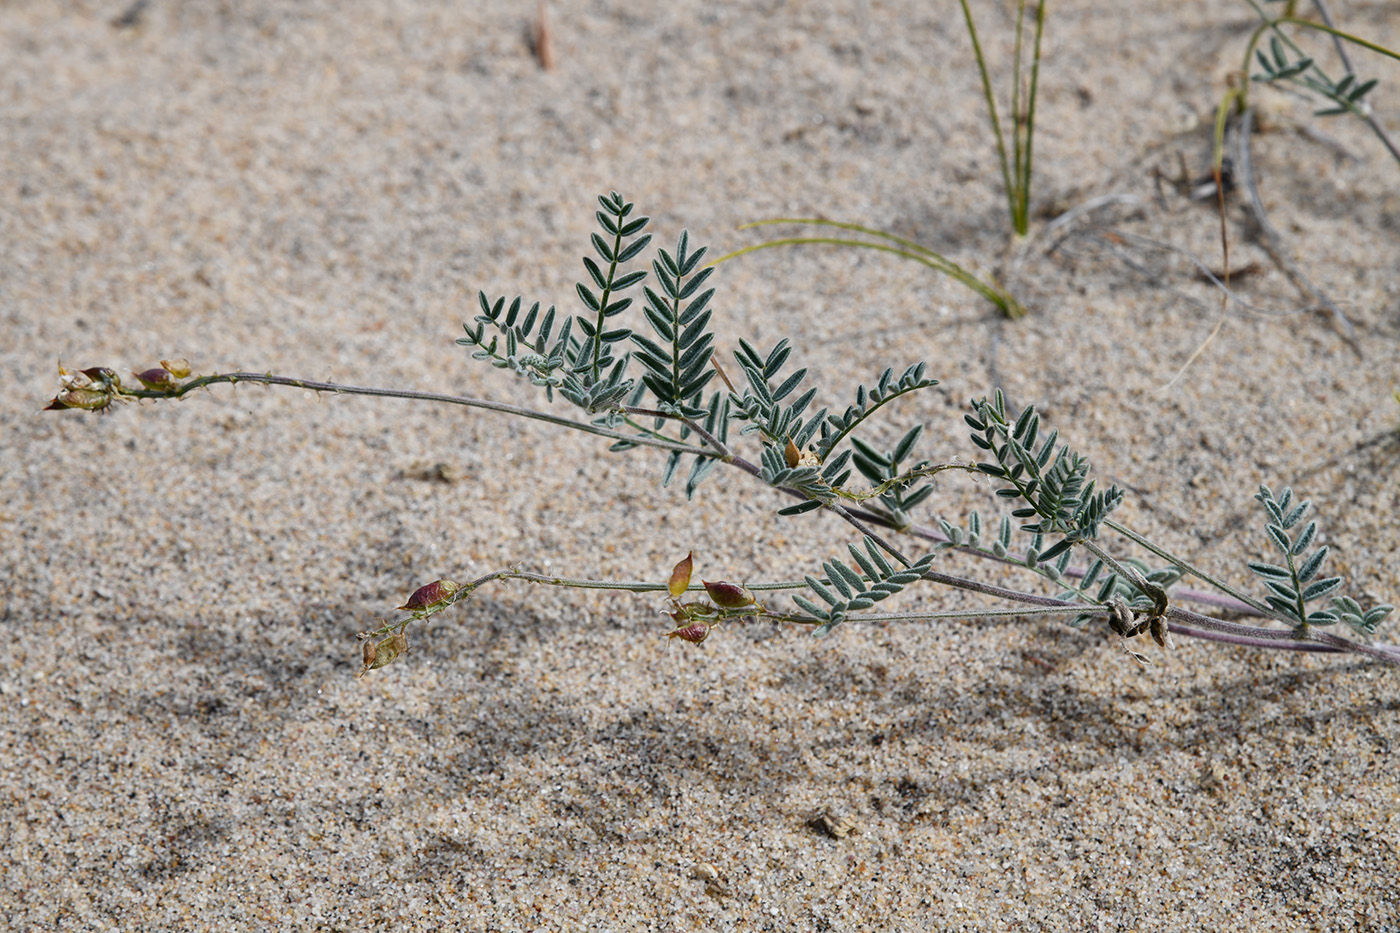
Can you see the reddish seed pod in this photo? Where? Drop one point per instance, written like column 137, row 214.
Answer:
column 434, row 594
column 695, row 633
column 729, row 595
column 104, row 376
column 158, row 379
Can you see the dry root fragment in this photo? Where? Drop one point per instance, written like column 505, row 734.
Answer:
column 543, row 39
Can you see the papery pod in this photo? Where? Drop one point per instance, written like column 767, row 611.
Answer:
column 434, row 594
column 695, row 633
column 158, row 379
column 104, row 375
column 729, row 595
column 1160, row 632
column 92, row 389
column 84, row 398
column 178, row 368
column 379, row 654
column 680, row 576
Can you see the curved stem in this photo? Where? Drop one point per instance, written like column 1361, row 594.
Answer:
column 1225, row 631
column 721, row 449
column 1196, row 625
column 928, row 533
column 1259, row 607
column 942, row 615
column 863, row 529
column 1242, row 93
column 993, row 292
column 1274, row 637
column 467, row 401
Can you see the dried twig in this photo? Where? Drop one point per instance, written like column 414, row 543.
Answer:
column 542, row 38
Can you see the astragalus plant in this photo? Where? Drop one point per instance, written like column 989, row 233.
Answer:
column 645, row 375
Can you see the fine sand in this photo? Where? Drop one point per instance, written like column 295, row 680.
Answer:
column 319, row 189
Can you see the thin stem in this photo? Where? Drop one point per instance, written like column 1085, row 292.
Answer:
column 928, row 533
column 720, row 446
column 1336, row 42
column 937, row 260
column 1378, row 652
column 994, row 292
column 649, row 432
column 1131, row 574
column 1235, row 631
column 946, row 615
column 1000, row 592
column 467, row 401
column 1017, row 194
column 1272, row 240
column 1198, row 626
column 1006, row 179
column 857, row 228
column 603, row 302
column 721, row 449
column 1023, row 224
column 1259, row 607
column 1241, row 94
column 1251, row 642
column 1232, row 632
column 1003, row 300
column 863, row 529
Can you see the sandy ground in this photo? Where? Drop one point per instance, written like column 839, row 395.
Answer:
column 319, row 189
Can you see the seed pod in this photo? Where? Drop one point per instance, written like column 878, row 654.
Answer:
column 93, row 389
column 680, row 576
column 729, row 595
column 158, row 379
column 104, row 376
column 1120, row 619
column 87, row 398
column 695, row 633
column 1161, row 634
column 826, row 821
column 433, row 595
column 178, row 368
column 378, row 654
column 389, row 649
